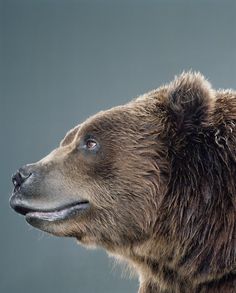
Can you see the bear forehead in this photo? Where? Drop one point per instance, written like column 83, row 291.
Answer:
column 123, row 120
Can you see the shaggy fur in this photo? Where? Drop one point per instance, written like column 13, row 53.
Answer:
column 161, row 187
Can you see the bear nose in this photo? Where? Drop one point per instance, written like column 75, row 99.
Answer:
column 20, row 177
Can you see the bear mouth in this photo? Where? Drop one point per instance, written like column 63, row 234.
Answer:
column 55, row 214
column 61, row 213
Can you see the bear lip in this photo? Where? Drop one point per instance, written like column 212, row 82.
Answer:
column 61, row 213
column 52, row 213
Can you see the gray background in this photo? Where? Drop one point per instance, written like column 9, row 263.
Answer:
column 62, row 61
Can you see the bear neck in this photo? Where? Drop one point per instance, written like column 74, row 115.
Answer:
column 191, row 249
column 226, row 284
column 194, row 243
column 162, row 273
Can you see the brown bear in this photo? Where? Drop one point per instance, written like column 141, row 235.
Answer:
column 153, row 182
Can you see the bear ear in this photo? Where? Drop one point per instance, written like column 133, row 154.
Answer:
column 190, row 101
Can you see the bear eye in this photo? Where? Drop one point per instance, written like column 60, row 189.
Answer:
column 91, row 144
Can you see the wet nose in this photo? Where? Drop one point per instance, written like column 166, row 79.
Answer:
column 20, row 177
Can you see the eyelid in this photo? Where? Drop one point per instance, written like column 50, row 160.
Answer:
column 90, row 139
column 89, row 136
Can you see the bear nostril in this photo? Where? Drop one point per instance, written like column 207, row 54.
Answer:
column 18, row 178
column 14, row 181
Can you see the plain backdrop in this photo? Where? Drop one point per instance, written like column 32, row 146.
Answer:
column 64, row 60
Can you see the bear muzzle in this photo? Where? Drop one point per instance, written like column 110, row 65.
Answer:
column 27, row 200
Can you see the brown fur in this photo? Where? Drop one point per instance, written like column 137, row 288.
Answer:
column 161, row 187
